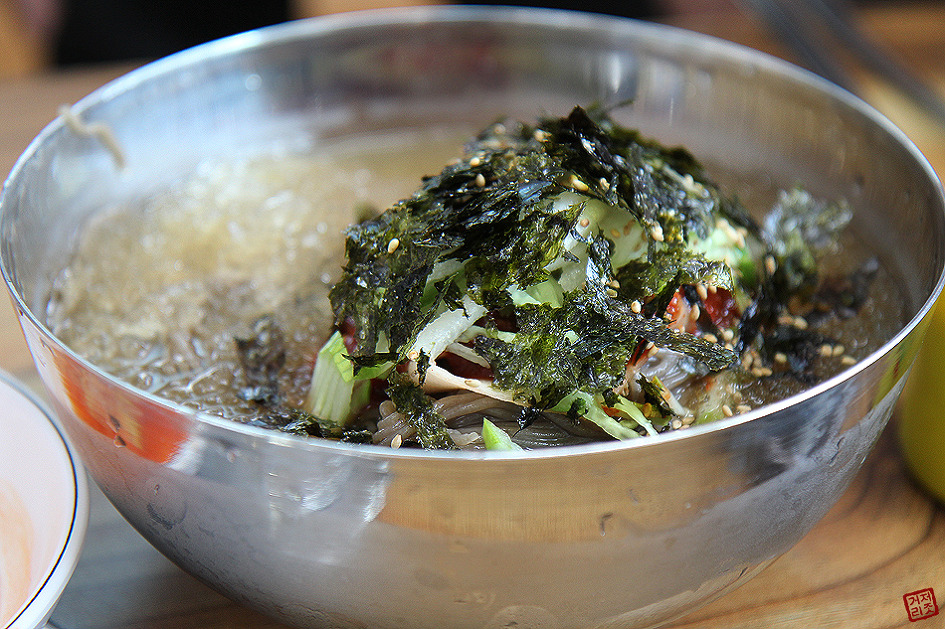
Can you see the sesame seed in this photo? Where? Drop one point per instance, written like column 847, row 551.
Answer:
column 688, row 420
column 770, row 265
column 702, row 291
column 499, row 127
column 604, row 184
column 657, row 233
column 414, row 355
column 475, row 161
column 392, row 245
column 742, row 408
column 847, row 360
column 540, row 135
column 765, row 371
column 480, row 180
column 780, row 357
column 584, row 222
column 800, row 323
column 838, row 350
column 471, row 383
column 729, row 346
column 676, row 424
column 712, row 288
column 613, row 284
column 396, row 441
column 826, row 350
column 611, row 292
column 635, row 306
column 577, row 184
column 727, row 334
column 711, row 338
column 746, row 361
column 695, row 312
column 727, row 410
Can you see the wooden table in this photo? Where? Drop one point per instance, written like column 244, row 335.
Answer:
column 884, row 539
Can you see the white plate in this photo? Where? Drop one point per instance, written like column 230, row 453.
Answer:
column 44, row 509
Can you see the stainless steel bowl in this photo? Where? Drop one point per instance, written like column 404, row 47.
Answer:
column 323, row 534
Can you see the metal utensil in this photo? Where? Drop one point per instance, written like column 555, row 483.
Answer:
column 822, row 32
column 325, row 534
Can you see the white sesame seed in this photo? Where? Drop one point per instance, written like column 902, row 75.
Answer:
column 727, row 410
column 727, row 334
column 676, row 424
column 635, row 306
column 475, row 161
column 780, row 357
column 702, row 291
column 711, row 338
column 657, row 233
column 800, row 323
column 695, row 312
column 847, row 360
column 396, row 441
column 471, row 383
column 577, row 184
column 584, row 222
column 826, row 350
column 480, row 180
column 611, row 292
column 540, row 135
column 392, row 245
column 838, row 350
column 604, row 184
column 742, row 408
column 770, row 265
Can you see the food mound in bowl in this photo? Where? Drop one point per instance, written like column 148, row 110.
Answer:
column 563, row 282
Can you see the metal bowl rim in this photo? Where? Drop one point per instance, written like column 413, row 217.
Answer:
column 566, row 20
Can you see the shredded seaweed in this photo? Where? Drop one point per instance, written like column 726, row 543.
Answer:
column 574, row 236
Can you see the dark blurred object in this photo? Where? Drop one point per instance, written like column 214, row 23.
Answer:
column 105, row 30
column 629, row 8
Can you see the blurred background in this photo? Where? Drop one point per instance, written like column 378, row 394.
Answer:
column 40, row 34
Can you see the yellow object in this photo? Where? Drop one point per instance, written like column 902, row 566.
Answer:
column 922, row 409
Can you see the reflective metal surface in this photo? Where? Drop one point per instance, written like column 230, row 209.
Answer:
column 323, row 534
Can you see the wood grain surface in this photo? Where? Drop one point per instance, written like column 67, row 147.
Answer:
column 884, row 539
